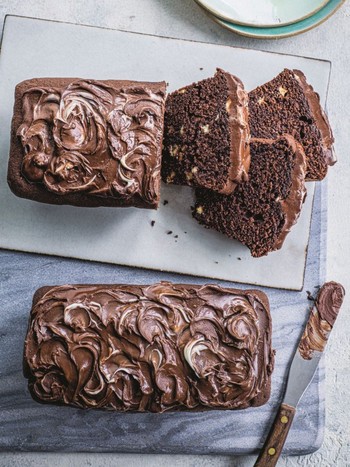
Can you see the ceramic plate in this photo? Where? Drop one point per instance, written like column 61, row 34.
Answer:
column 263, row 13
column 283, row 31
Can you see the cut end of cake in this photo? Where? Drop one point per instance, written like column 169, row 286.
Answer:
column 206, row 134
column 261, row 211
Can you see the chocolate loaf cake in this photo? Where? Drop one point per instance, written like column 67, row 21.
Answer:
column 260, row 212
column 86, row 142
column 149, row 348
column 206, row 134
column 288, row 104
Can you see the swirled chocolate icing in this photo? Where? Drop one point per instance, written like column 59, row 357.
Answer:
column 149, row 348
column 100, row 138
column 322, row 318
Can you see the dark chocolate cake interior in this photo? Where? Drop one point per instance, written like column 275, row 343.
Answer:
column 197, row 138
column 260, row 212
column 288, row 104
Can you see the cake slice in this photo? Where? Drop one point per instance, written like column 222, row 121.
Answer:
column 149, row 348
column 260, row 212
column 86, row 142
column 206, row 134
column 288, row 104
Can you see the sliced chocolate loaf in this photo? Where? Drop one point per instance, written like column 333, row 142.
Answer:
column 260, row 212
column 206, row 134
column 288, row 104
column 149, row 348
column 86, row 142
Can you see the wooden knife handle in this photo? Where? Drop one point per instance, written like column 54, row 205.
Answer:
column 273, row 446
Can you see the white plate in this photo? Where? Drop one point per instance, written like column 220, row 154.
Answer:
column 125, row 236
column 263, row 13
column 279, row 32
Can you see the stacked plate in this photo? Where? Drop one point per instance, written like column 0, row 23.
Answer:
column 270, row 19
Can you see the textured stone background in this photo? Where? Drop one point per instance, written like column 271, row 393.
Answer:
column 184, row 19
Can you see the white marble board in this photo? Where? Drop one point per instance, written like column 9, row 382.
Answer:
column 32, row 48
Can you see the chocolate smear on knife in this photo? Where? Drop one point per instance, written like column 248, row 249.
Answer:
column 323, row 315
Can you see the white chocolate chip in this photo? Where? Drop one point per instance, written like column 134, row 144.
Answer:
column 194, row 170
column 205, row 129
column 173, row 150
column 282, row 91
column 199, row 210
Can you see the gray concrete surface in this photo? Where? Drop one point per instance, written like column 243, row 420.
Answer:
column 330, row 41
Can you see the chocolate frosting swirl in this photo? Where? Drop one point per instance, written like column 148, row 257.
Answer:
column 94, row 138
column 149, row 348
column 237, row 109
column 322, row 318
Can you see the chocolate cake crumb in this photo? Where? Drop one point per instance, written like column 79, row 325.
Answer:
column 152, row 223
column 165, row 202
column 310, row 296
column 169, row 232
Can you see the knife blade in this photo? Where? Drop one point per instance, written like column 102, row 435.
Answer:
column 313, row 341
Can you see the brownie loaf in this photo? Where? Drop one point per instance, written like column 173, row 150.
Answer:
column 86, row 142
column 260, row 212
column 206, row 134
column 288, row 104
column 149, row 348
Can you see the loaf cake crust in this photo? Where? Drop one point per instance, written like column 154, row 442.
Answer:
column 289, row 104
column 260, row 212
column 87, row 142
column 149, row 348
column 206, row 134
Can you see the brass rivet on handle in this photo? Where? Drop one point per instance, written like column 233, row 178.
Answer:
column 272, row 451
column 284, row 419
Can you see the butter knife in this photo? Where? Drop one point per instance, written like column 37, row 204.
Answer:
column 305, row 361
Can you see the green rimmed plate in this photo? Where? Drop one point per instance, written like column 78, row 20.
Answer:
column 283, row 31
column 263, row 13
